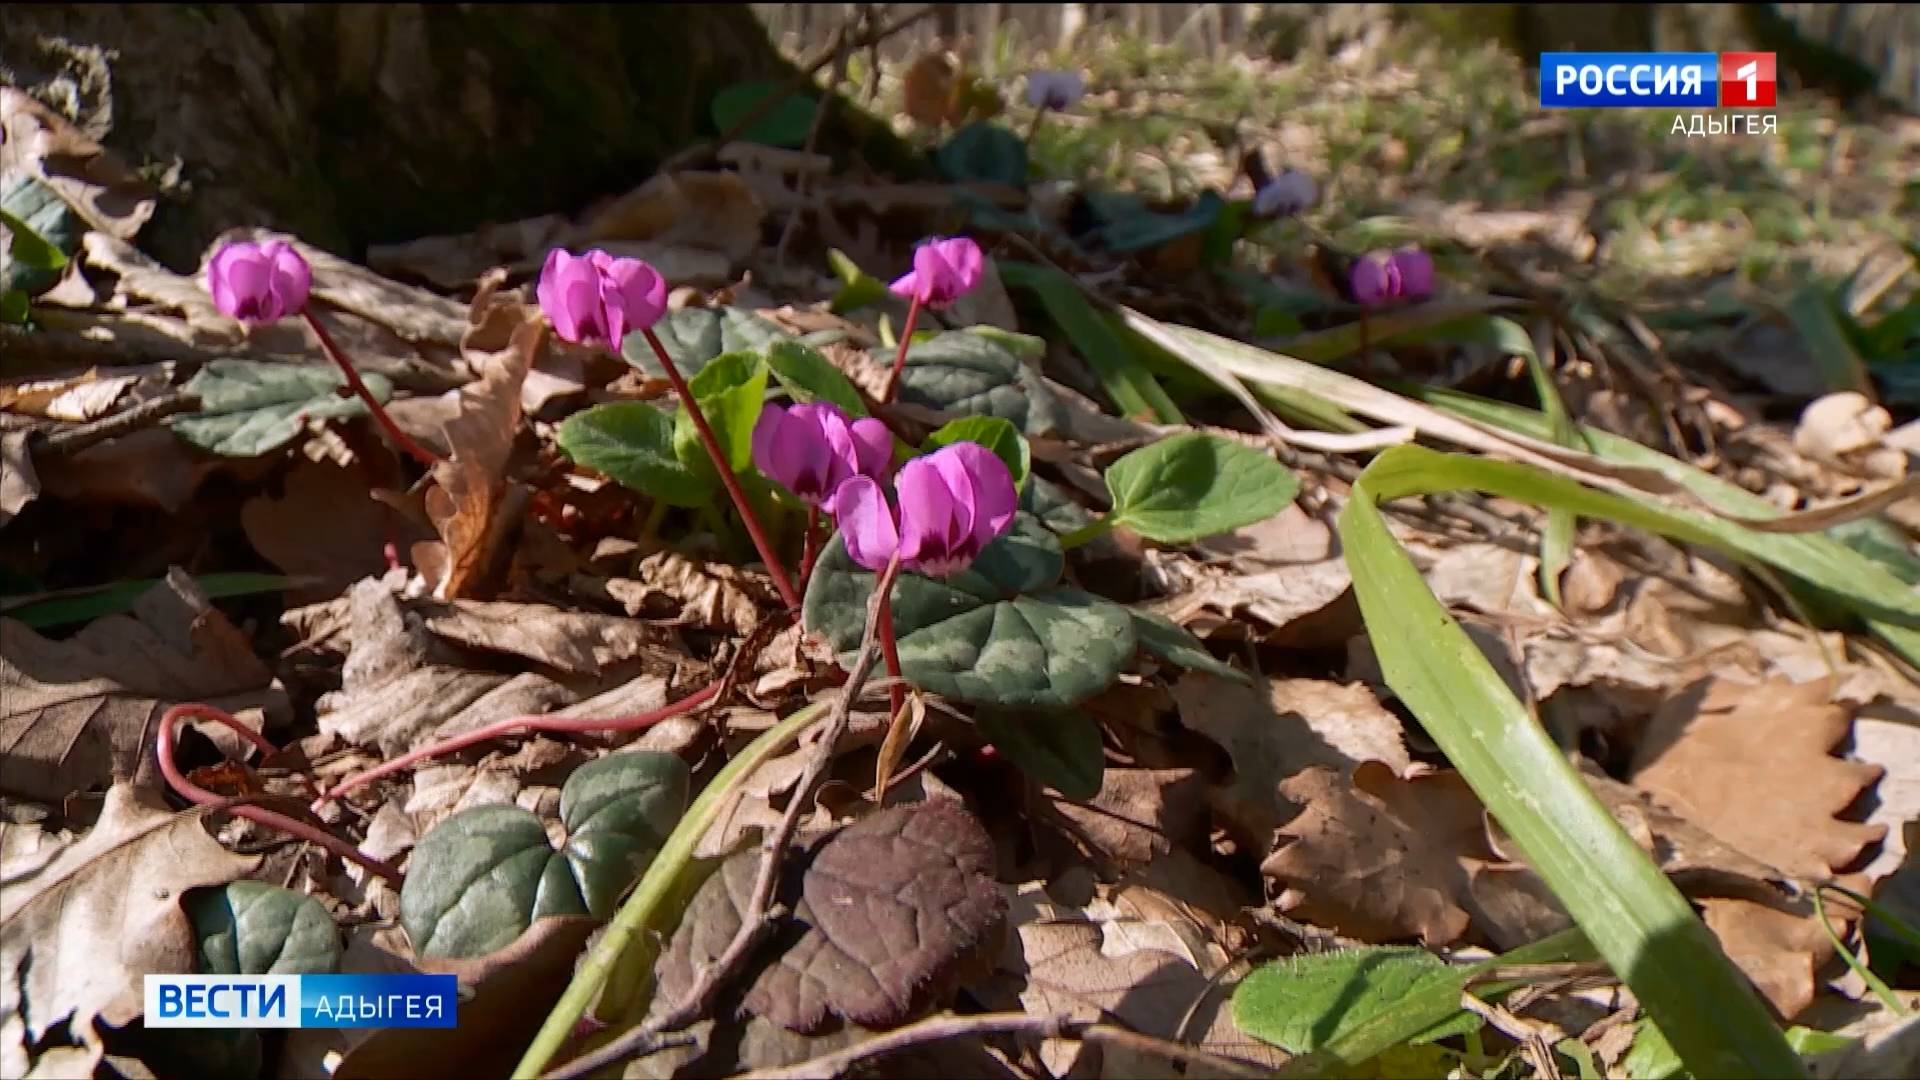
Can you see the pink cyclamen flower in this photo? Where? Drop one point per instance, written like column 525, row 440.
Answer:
column 1380, row 277
column 258, row 283
column 953, row 503
column 1285, row 195
column 944, row 270
column 812, row 449
column 596, row 299
column 1056, row 90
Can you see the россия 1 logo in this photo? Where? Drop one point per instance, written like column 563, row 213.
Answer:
column 1641, row 80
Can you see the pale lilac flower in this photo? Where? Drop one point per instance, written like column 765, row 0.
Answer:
column 1381, row 278
column 258, row 283
column 596, row 299
column 812, row 449
column 953, row 503
column 1056, row 90
column 1285, row 195
column 944, row 270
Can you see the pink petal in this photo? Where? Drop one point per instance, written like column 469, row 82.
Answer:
column 289, row 278
column 907, row 284
column 928, row 508
column 866, row 523
column 220, row 280
column 764, row 431
column 1416, row 273
column 635, row 289
column 995, row 499
column 872, row 447
column 556, row 293
column 1372, row 281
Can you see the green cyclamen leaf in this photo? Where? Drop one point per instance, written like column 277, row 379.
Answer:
column 484, row 875
column 986, row 152
column 1059, row 749
column 252, row 928
column 975, row 375
column 993, row 433
column 249, row 408
column 1193, row 485
column 1305, row 1002
column 692, row 336
column 1173, row 643
column 632, row 442
column 808, row 376
column 730, row 390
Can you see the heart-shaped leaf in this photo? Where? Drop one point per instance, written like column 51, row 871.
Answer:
column 1059, row 749
column 985, row 152
column 248, row 408
column 1055, row 508
column 808, row 376
column 44, row 228
column 730, row 390
column 1305, row 1002
column 1193, row 485
column 993, row 433
column 1173, row 643
column 786, row 125
column 1138, row 228
column 857, row 287
column 252, row 928
column 974, row 375
column 482, row 876
column 998, row 633
column 692, row 336
column 633, row 442
column 887, row 913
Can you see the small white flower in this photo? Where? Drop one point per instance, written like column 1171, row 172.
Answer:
column 1057, row 90
column 1285, row 195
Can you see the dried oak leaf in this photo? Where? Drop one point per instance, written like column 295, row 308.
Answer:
column 579, row 643
column 887, row 913
column 1138, row 816
column 325, row 526
column 689, row 592
column 475, row 505
column 1276, row 731
column 1381, row 858
column 70, row 709
column 1752, row 765
column 78, row 935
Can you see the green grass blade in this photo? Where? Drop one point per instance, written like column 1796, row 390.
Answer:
column 640, row 915
column 1815, row 316
column 118, row 597
column 1633, row 915
column 1380, row 328
column 1121, row 373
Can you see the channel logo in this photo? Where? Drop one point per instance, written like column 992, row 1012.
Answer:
column 1642, row 80
column 301, row 1001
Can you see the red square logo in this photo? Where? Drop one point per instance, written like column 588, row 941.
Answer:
column 1746, row 80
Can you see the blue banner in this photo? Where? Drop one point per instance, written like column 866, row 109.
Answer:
column 1630, row 80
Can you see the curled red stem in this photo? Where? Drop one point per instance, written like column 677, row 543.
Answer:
column 900, row 356
column 530, row 724
column 721, row 465
column 193, row 792
column 400, row 438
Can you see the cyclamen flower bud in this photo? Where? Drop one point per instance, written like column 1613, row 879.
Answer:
column 258, row 283
column 1056, row 90
column 953, row 503
column 1285, row 195
column 595, row 299
column 944, row 270
column 1380, row 278
column 812, row 449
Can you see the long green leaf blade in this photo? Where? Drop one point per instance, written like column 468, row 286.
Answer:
column 1124, row 378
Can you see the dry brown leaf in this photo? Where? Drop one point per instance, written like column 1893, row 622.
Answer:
column 475, row 505
column 1752, row 766
column 1281, row 572
column 75, row 398
column 690, row 592
column 150, row 467
column 324, row 526
column 77, row 708
column 454, row 262
column 38, row 142
column 1138, row 815
column 1149, row 974
column 578, row 643
column 19, row 483
column 711, row 211
column 78, row 936
column 1380, row 858
column 1848, row 431
column 1274, row 732
column 932, row 89
column 1888, row 735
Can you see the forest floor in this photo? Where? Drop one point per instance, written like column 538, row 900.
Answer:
column 1517, row 681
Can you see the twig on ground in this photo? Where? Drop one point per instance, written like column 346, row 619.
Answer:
column 761, row 913
column 74, row 440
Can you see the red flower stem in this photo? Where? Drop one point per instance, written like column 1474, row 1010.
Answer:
column 721, row 465
column 811, row 550
column 195, row 793
column 889, row 648
column 400, row 438
column 529, row 724
column 900, row 357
